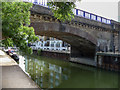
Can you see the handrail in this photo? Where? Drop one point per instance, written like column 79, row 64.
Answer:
column 76, row 12
column 91, row 16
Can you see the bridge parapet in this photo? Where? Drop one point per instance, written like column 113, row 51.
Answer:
column 78, row 20
column 76, row 12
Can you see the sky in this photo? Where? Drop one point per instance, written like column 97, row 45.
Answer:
column 104, row 8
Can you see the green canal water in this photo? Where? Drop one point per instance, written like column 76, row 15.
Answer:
column 51, row 73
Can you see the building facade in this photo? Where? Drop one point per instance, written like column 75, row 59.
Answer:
column 49, row 43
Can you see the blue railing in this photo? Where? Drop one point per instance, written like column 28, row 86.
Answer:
column 91, row 16
column 76, row 12
column 38, row 2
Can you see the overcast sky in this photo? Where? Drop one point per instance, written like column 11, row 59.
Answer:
column 104, row 8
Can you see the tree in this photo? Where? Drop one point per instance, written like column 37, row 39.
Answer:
column 63, row 10
column 16, row 21
column 15, row 25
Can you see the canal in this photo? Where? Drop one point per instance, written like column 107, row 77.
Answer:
column 51, row 73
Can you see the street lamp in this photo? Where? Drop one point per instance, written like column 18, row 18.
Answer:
column 119, row 39
column 112, row 38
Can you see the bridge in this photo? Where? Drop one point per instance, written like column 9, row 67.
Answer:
column 86, row 33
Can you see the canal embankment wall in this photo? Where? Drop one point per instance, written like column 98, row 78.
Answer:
column 106, row 61
column 53, row 54
column 66, row 57
column 109, row 61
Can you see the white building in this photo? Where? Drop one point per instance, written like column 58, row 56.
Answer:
column 46, row 43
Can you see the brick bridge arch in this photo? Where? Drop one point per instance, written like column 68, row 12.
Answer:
column 82, row 43
column 83, row 34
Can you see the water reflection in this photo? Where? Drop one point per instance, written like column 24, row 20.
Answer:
column 49, row 73
column 46, row 75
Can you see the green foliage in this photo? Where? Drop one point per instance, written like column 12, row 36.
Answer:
column 62, row 10
column 39, row 51
column 15, row 22
column 8, row 42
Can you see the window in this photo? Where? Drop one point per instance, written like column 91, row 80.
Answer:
column 52, row 44
column 47, row 44
column 57, row 44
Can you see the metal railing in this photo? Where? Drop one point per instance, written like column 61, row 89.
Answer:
column 91, row 16
column 76, row 12
column 38, row 2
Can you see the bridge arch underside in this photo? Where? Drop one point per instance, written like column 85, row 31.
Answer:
column 82, row 44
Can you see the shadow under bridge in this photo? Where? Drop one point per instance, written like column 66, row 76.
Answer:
column 82, row 43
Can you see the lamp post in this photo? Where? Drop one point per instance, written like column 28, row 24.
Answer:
column 119, row 39
column 112, row 46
